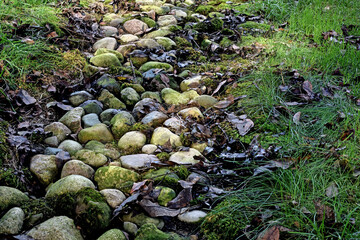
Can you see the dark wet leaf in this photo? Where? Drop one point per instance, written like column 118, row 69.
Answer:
column 324, row 212
column 218, row 87
column 132, row 198
column 16, row 141
column 137, row 186
column 25, row 97
column 155, row 210
column 182, row 199
column 243, row 125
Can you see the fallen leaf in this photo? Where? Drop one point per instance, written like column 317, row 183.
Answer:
column 296, row 118
column 243, row 125
column 332, row 190
column 26, row 98
column 324, row 212
column 181, row 200
column 52, row 35
column 137, row 186
column 272, row 233
column 155, row 210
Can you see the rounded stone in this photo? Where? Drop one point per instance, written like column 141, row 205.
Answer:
column 162, row 135
column 108, row 114
column 131, row 228
column 127, row 38
column 130, row 96
column 135, row 26
column 79, row 97
column 90, row 120
column 69, row 184
column 44, row 167
column 108, row 42
column 70, row 146
column 110, row 101
column 166, row 195
column 185, row 157
column 92, row 106
column 113, row 234
column 132, row 142
column 105, row 60
column 205, row 101
column 192, row 112
column 72, row 119
column 151, row 65
column 91, row 158
column 173, row 97
column 61, row 228
column 166, row 42
column 193, row 82
column 59, row 130
column 154, row 119
column 11, row 197
column 12, row 221
column 147, row 43
column 109, row 31
column 138, row 161
column 76, row 167
column 98, row 132
column 194, row 216
column 114, row 197
column 149, row 148
column 166, row 20
column 175, row 124
column 121, row 123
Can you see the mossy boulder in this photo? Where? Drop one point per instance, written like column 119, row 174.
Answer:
column 91, row 158
column 130, row 96
column 162, row 32
column 142, row 219
column 108, row 150
column 113, row 234
column 193, row 82
column 151, row 65
column 109, row 83
column 70, row 146
column 105, row 50
column 186, row 157
column 148, row 8
column 173, row 97
column 59, row 130
column 11, row 197
column 61, row 228
column 212, row 25
column 44, row 167
column 106, row 60
column 150, row 232
column 166, row 195
column 110, row 101
column 12, row 221
column 192, row 112
column 69, row 184
column 76, row 167
column 205, row 101
column 98, row 132
column 166, row 42
column 151, row 23
column 116, row 177
column 137, row 87
column 152, row 95
column 147, row 43
column 121, row 123
column 205, row 9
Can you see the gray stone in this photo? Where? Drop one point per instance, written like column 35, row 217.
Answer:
column 90, row 120
column 194, row 216
column 44, row 167
column 108, row 114
column 135, row 26
column 130, row 96
column 91, row 158
column 154, row 119
column 70, row 146
column 132, row 142
column 109, row 31
column 52, row 151
column 76, row 167
column 59, row 228
column 79, row 97
column 114, row 197
column 185, row 157
column 92, row 106
column 69, row 184
column 149, row 148
column 98, row 132
column 108, row 42
column 59, row 130
column 11, row 197
column 162, row 135
column 72, row 119
column 138, row 161
column 117, row 22
column 174, row 124
column 109, row 83
column 107, row 150
column 166, row 20
column 52, row 141
column 147, row 43
column 127, row 38
column 192, row 82
column 12, row 221
column 145, row 106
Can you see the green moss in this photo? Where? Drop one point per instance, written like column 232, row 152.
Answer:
column 164, row 156
column 193, row 54
column 205, row 9
column 137, row 87
column 226, row 42
column 3, row 145
column 182, row 42
column 227, row 31
column 255, row 25
column 41, row 208
column 149, row 231
column 213, row 25
column 181, row 171
column 15, row 178
column 119, row 70
column 139, row 127
column 174, row 28
column 224, row 223
column 151, row 23
column 163, row 176
column 191, row 19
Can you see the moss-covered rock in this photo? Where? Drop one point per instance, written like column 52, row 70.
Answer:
column 72, row 119
column 105, row 60
column 98, row 132
column 12, row 221
column 205, row 101
column 76, row 167
column 212, row 25
column 141, row 219
column 91, row 158
column 113, row 234
column 167, row 43
column 164, row 176
column 148, row 8
column 162, row 135
column 130, row 96
column 69, row 184
column 150, row 232
column 108, row 150
column 150, row 65
column 132, row 142
column 166, row 195
column 70, row 146
column 121, row 123
column 115, row 177
column 205, row 9
column 173, row 97
column 109, row 83
column 152, row 95
column 151, row 23
column 110, row 101
column 44, row 167
column 11, row 197
column 162, row 32
column 105, row 50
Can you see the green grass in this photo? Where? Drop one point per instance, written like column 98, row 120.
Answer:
column 310, row 145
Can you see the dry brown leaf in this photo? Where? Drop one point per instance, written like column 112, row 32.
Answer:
column 272, row 233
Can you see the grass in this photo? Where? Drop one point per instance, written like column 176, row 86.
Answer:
column 321, row 152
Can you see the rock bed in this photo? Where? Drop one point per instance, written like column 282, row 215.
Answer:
column 134, row 143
